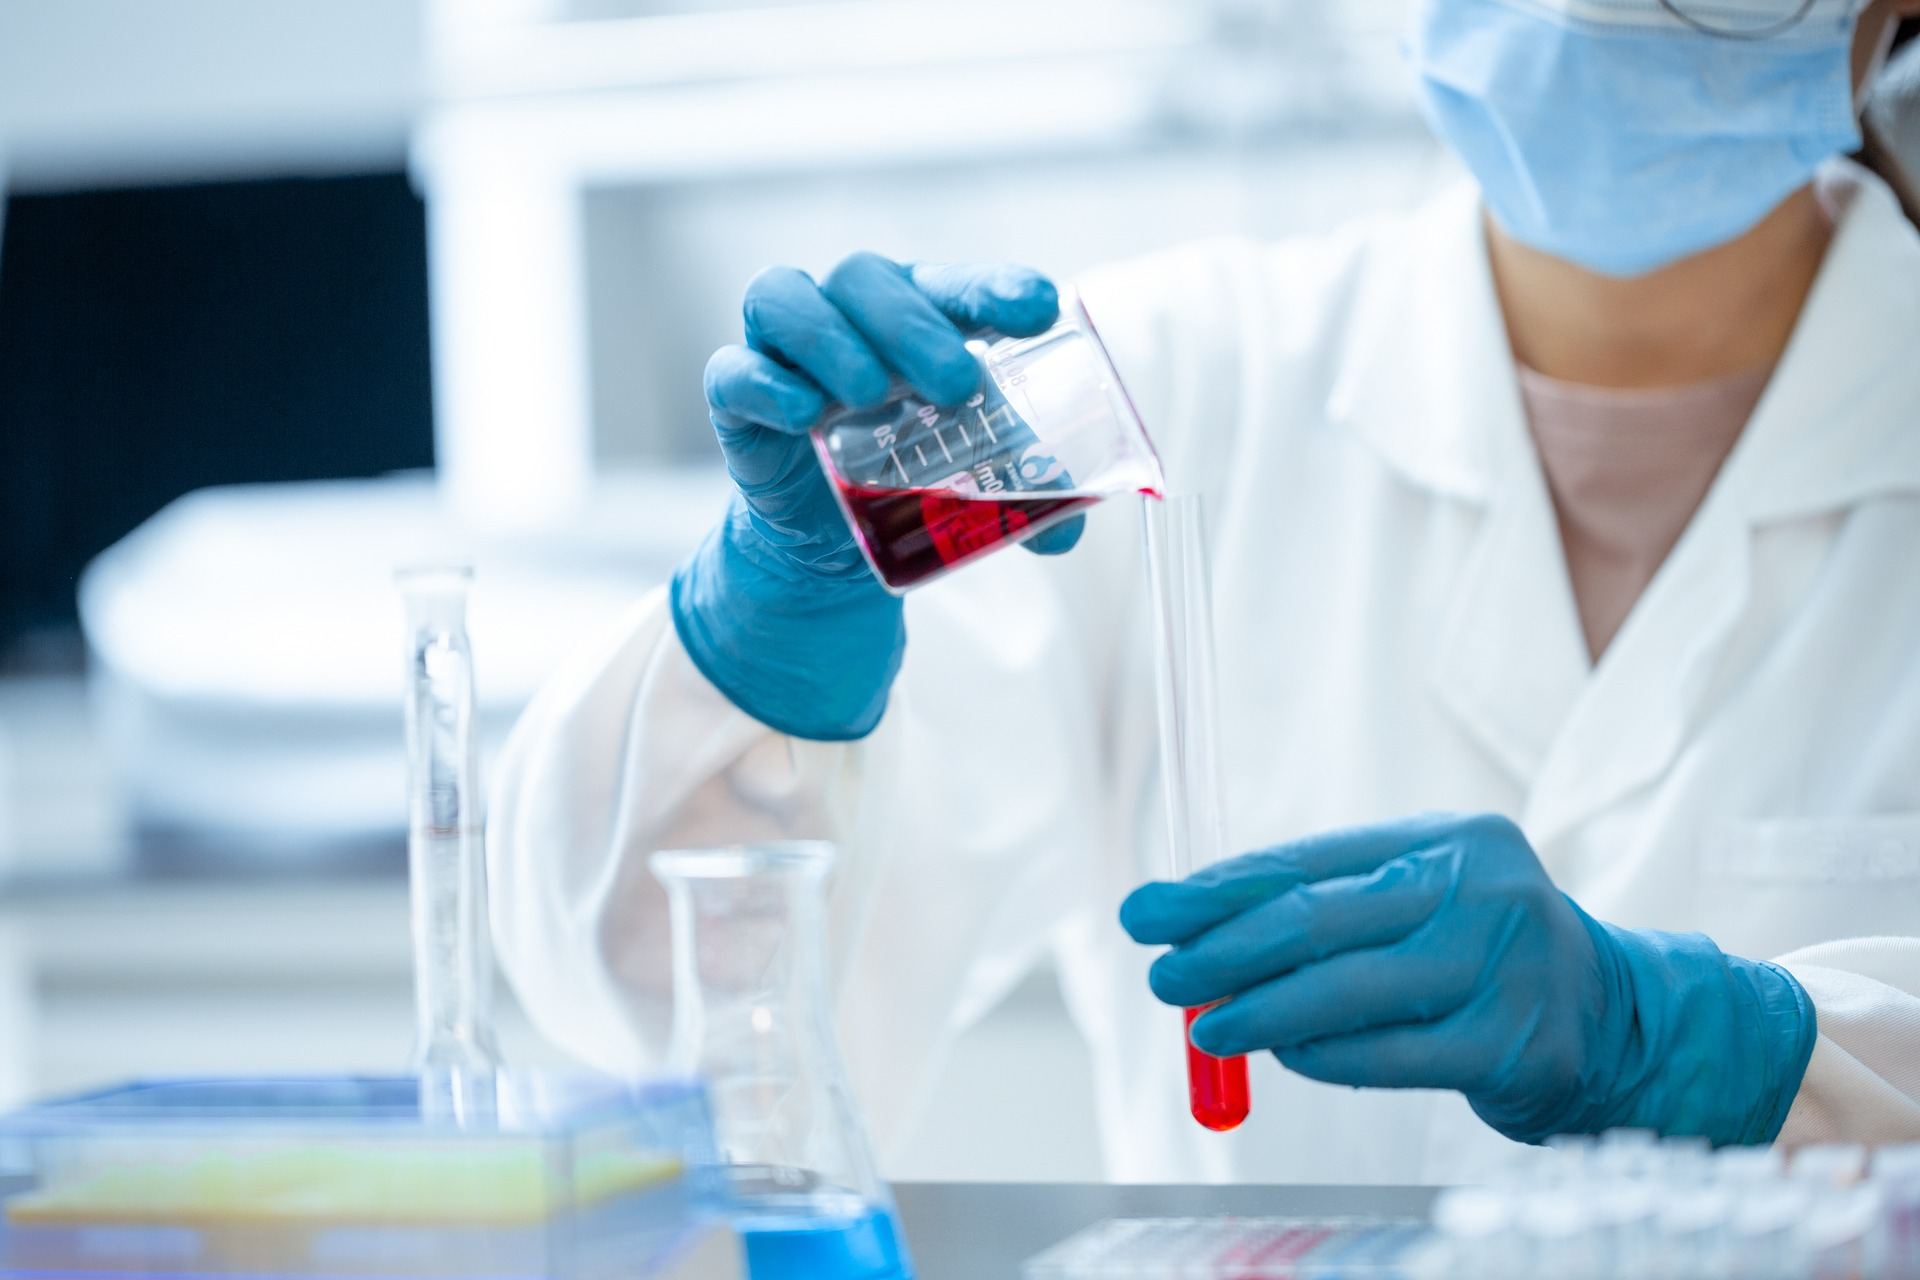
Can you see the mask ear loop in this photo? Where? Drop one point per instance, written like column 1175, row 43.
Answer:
column 1891, row 130
column 1781, row 27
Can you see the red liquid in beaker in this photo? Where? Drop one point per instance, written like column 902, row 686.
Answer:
column 1216, row 1087
column 913, row 534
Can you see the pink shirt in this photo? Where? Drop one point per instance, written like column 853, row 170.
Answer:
column 1627, row 470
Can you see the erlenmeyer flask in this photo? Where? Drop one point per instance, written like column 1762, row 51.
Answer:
column 751, row 1017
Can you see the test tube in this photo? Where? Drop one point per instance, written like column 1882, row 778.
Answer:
column 452, row 957
column 1477, row 1227
column 1897, row 1172
column 1178, row 577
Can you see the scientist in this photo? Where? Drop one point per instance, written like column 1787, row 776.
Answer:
column 1588, row 496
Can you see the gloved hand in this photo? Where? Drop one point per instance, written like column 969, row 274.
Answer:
column 1436, row 953
column 776, row 607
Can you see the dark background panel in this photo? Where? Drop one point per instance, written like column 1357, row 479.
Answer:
column 156, row 340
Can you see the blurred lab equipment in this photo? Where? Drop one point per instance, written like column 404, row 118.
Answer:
column 1233, row 1249
column 1339, row 953
column 967, row 138
column 1179, row 578
column 1624, row 1207
column 452, row 948
column 461, row 1169
column 1628, row 1206
column 1897, row 1172
column 751, row 1017
column 566, row 1178
column 241, row 658
column 928, row 487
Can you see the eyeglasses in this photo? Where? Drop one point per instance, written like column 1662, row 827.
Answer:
column 1701, row 17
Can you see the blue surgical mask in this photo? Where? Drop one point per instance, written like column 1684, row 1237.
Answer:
column 1615, row 135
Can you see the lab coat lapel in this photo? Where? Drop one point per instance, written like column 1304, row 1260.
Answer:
column 1429, row 384
column 1510, row 659
column 1836, row 425
column 1651, row 684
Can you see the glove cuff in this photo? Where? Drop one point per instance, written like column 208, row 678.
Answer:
column 1718, row 1045
column 1789, row 1009
column 808, row 658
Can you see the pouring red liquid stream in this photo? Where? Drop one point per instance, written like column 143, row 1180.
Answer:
column 1216, row 1087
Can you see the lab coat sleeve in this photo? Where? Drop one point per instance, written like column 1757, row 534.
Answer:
column 964, row 823
column 1863, row 1082
column 626, row 750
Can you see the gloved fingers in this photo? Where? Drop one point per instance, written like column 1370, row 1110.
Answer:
column 1416, row 1056
column 1009, row 299
column 1356, row 991
column 1059, row 539
column 773, row 472
column 903, row 325
column 1173, row 913
column 1014, row 300
column 788, row 317
column 747, row 387
column 1306, row 924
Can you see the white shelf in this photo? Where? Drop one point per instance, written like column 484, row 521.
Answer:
column 840, row 83
column 528, row 113
column 829, row 40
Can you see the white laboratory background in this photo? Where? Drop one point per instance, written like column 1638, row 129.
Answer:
column 601, row 178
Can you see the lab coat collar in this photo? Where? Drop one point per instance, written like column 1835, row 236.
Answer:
column 1840, row 421
column 1429, row 385
column 1428, row 380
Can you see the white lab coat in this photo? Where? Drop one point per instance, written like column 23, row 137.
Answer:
column 1396, row 633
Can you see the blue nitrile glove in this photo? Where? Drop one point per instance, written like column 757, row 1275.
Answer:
column 776, row 606
column 1436, row 953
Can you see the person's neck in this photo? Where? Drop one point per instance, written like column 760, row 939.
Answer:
column 1715, row 314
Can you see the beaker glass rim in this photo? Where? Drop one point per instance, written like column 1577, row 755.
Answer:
column 729, row 862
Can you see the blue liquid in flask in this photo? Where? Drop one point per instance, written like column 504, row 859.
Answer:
column 821, row 1237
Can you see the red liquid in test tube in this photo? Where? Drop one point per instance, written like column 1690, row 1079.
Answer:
column 1216, row 1087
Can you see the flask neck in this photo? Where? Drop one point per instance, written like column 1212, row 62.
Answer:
column 750, row 971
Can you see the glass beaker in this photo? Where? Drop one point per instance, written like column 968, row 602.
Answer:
column 927, row 488
column 751, row 1017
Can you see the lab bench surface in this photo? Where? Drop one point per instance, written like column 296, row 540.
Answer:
column 984, row 1231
